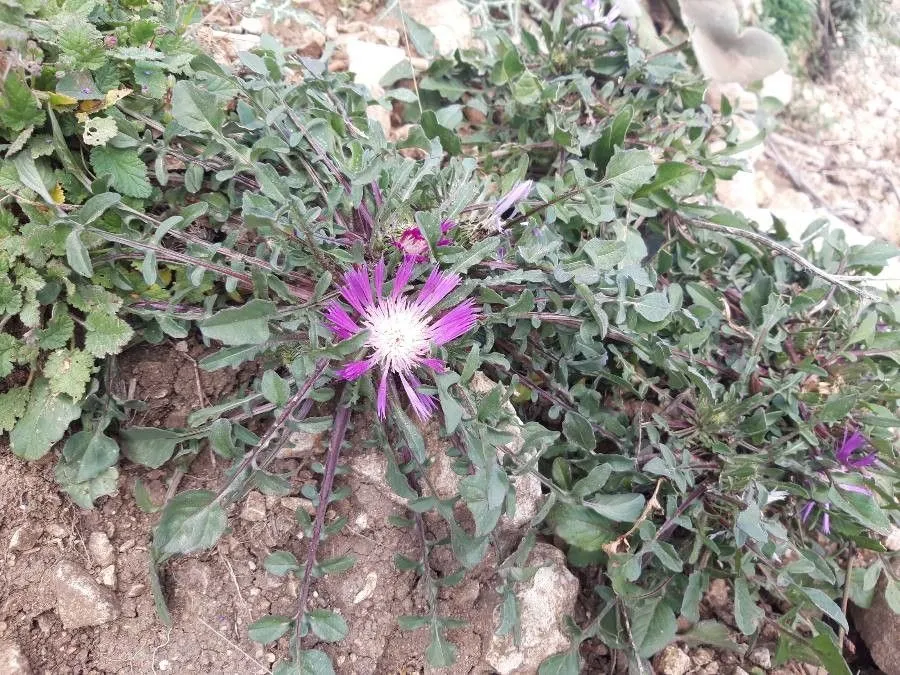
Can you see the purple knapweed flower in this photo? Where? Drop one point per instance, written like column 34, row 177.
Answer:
column 595, row 15
column 412, row 242
column 402, row 331
column 844, row 454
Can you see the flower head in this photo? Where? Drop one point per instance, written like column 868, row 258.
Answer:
column 413, row 244
column 846, row 450
column 401, row 329
column 518, row 192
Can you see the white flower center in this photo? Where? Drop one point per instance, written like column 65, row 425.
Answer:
column 399, row 334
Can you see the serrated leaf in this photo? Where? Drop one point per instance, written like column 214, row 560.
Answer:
column 106, row 334
column 269, row 628
column 126, row 170
column 327, row 625
column 19, row 109
column 245, row 325
column 12, row 406
column 69, row 372
column 99, row 130
column 191, row 521
column 628, row 170
column 196, row 110
column 59, row 329
column 45, row 421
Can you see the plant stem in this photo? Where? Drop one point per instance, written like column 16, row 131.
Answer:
column 338, row 433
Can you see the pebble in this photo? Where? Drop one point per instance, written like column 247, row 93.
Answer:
column 702, row 656
column 135, row 590
column 761, row 657
column 892, row 543
column 673, row 661
column 739, row 671
column 81, row 601
column 13, row 660
column 253, row 25
column 291, row 504
column 25, row 537
column 108, row 576
column 101, row 549
column 254, row 510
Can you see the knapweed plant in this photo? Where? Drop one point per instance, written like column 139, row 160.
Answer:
column 699, row 400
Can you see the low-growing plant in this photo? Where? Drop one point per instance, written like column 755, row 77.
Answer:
column 700, row 401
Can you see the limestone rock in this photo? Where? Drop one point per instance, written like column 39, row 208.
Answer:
column 370, row 62
column 761, row 657
column 101, row 549
column 449, row 20
column 545, row 601
column 25, row 537
column 892, row 543
column 81, row 601
column 879, row 627
column 254, row 510
column 673, row 661
column 13, row 660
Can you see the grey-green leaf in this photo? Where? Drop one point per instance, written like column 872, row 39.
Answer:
column 45, row 421
column 628, row 170
column 245, row 325
column 269, row 628
column 192, row 521
column 653, row 306
column 327, row 625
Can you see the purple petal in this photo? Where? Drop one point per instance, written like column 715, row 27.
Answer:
column 379, row 278
column 863, row 462
column 858, row 489
column 404, row 272
column 357, row 290
column 436, row 288
column 458, row 321
column 422, row 404
column 826, row 522
column 849, row 446
column 435, row 364
column 447, row 225
column 339, row 322
column 412, row 244
column 355, row 369
column 807, row 510
column 382, row 395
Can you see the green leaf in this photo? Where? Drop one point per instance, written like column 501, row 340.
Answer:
column 125, row 168
column 69, row 372
column 484, row 494
column 862, row 508
column 19, row 109
column 421, row 36
column 91, row 453
column 45, row 421
column 825, row 646
column 315, row 662
column 150, row 446
column 581, row 527
column 77, row 255
column 613, row 136
column 274, row 388
column 30, row 176
column 12, row 406
column 191, row 521
column 280, row 563
column 605, row 254
column 711, row 633
column 95, row 207
column 441, row 653
column 653, row 306
column 327, row 625
column 106, row 334
column 892, row 595
column 747, row 615
column 565, row 663
column 621, row 508
column 245, row 325
column 269, row 628
column 826, row 604
column 653, row 625
column 84, row 494
column 196, row 110
column 578, row 431
column 690, row 601
column 628, row 170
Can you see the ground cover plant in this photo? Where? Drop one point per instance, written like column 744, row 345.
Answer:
column 698, row 400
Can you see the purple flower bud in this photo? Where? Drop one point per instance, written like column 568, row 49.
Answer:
column 518, row 192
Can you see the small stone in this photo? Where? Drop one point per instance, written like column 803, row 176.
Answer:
column 101, row 549
column 25, row 537
column 135, row 590
column 673, row 661
column 81, row 601
column 291, row 504
column 739, row 671
column 892, row 543
column 254, row 510
column 761, row 657
column 702, row 656
column 108, row 576
column 331, row 28
column 13, row 660
column 253, row 25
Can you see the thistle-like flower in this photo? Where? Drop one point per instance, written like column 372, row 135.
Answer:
column 412, row 242
column 401, row 329
column 846, row 456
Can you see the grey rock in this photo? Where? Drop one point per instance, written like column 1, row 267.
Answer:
column 13, row 660
column 101, row 549
column 81, row 601
column 108, row 576
column 739, row 671
column 254, row 510
column 25, row 537
column 879, row 627
column 673, row 661
column 545, row 601
column 761, row 657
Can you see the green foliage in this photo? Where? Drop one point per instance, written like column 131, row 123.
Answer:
column 791, row 20
column 678, row 382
